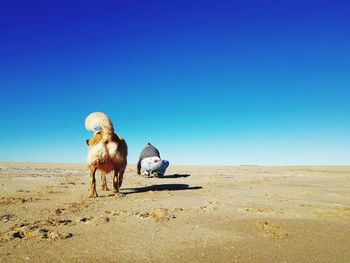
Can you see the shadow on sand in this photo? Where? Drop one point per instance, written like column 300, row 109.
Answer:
column 172, row 176
column 160, row 187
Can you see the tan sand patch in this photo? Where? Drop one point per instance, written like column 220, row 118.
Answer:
column 334, row 212
column 271, row 229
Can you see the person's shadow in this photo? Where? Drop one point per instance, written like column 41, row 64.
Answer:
column 172, row 176
column 160, row 187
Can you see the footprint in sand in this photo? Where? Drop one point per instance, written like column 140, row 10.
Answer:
column 117, row 212
column 58, row 222
column 59, row 211
column 28, row 231
column 59, row 235
column 14, row 200
column 7, row 217
column 210, row 207
column 159, row 215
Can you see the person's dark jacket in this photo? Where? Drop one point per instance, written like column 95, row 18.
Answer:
column 148, row 151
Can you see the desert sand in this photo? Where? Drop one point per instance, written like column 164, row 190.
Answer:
column 193, row 214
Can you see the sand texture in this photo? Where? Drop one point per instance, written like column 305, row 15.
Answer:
column 194, row 214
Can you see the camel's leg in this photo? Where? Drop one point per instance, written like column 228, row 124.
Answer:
column 116, row 181
column 121, row 174
column 104, row 186
column 93, row 192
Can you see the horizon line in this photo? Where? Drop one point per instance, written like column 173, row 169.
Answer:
column 206, row 165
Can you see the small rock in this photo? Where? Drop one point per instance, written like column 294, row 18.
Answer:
column 22, row 224
column 43, row 230
column 16, row 234
column 85, row 219
column 64, row 221
column 66, row 235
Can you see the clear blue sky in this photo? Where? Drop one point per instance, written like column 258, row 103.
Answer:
column 207, row 82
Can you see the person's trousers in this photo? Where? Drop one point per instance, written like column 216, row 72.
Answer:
column 154, row 164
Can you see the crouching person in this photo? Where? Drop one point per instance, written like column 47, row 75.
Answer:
column 150, row 162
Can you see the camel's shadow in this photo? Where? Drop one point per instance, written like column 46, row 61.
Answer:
column 172, row 176
column 160, row 187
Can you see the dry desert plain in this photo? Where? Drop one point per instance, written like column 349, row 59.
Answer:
column 193, row 214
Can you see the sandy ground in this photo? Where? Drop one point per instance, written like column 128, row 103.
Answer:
column 194, row 214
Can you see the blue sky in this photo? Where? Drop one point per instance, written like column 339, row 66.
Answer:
column 207, row 82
